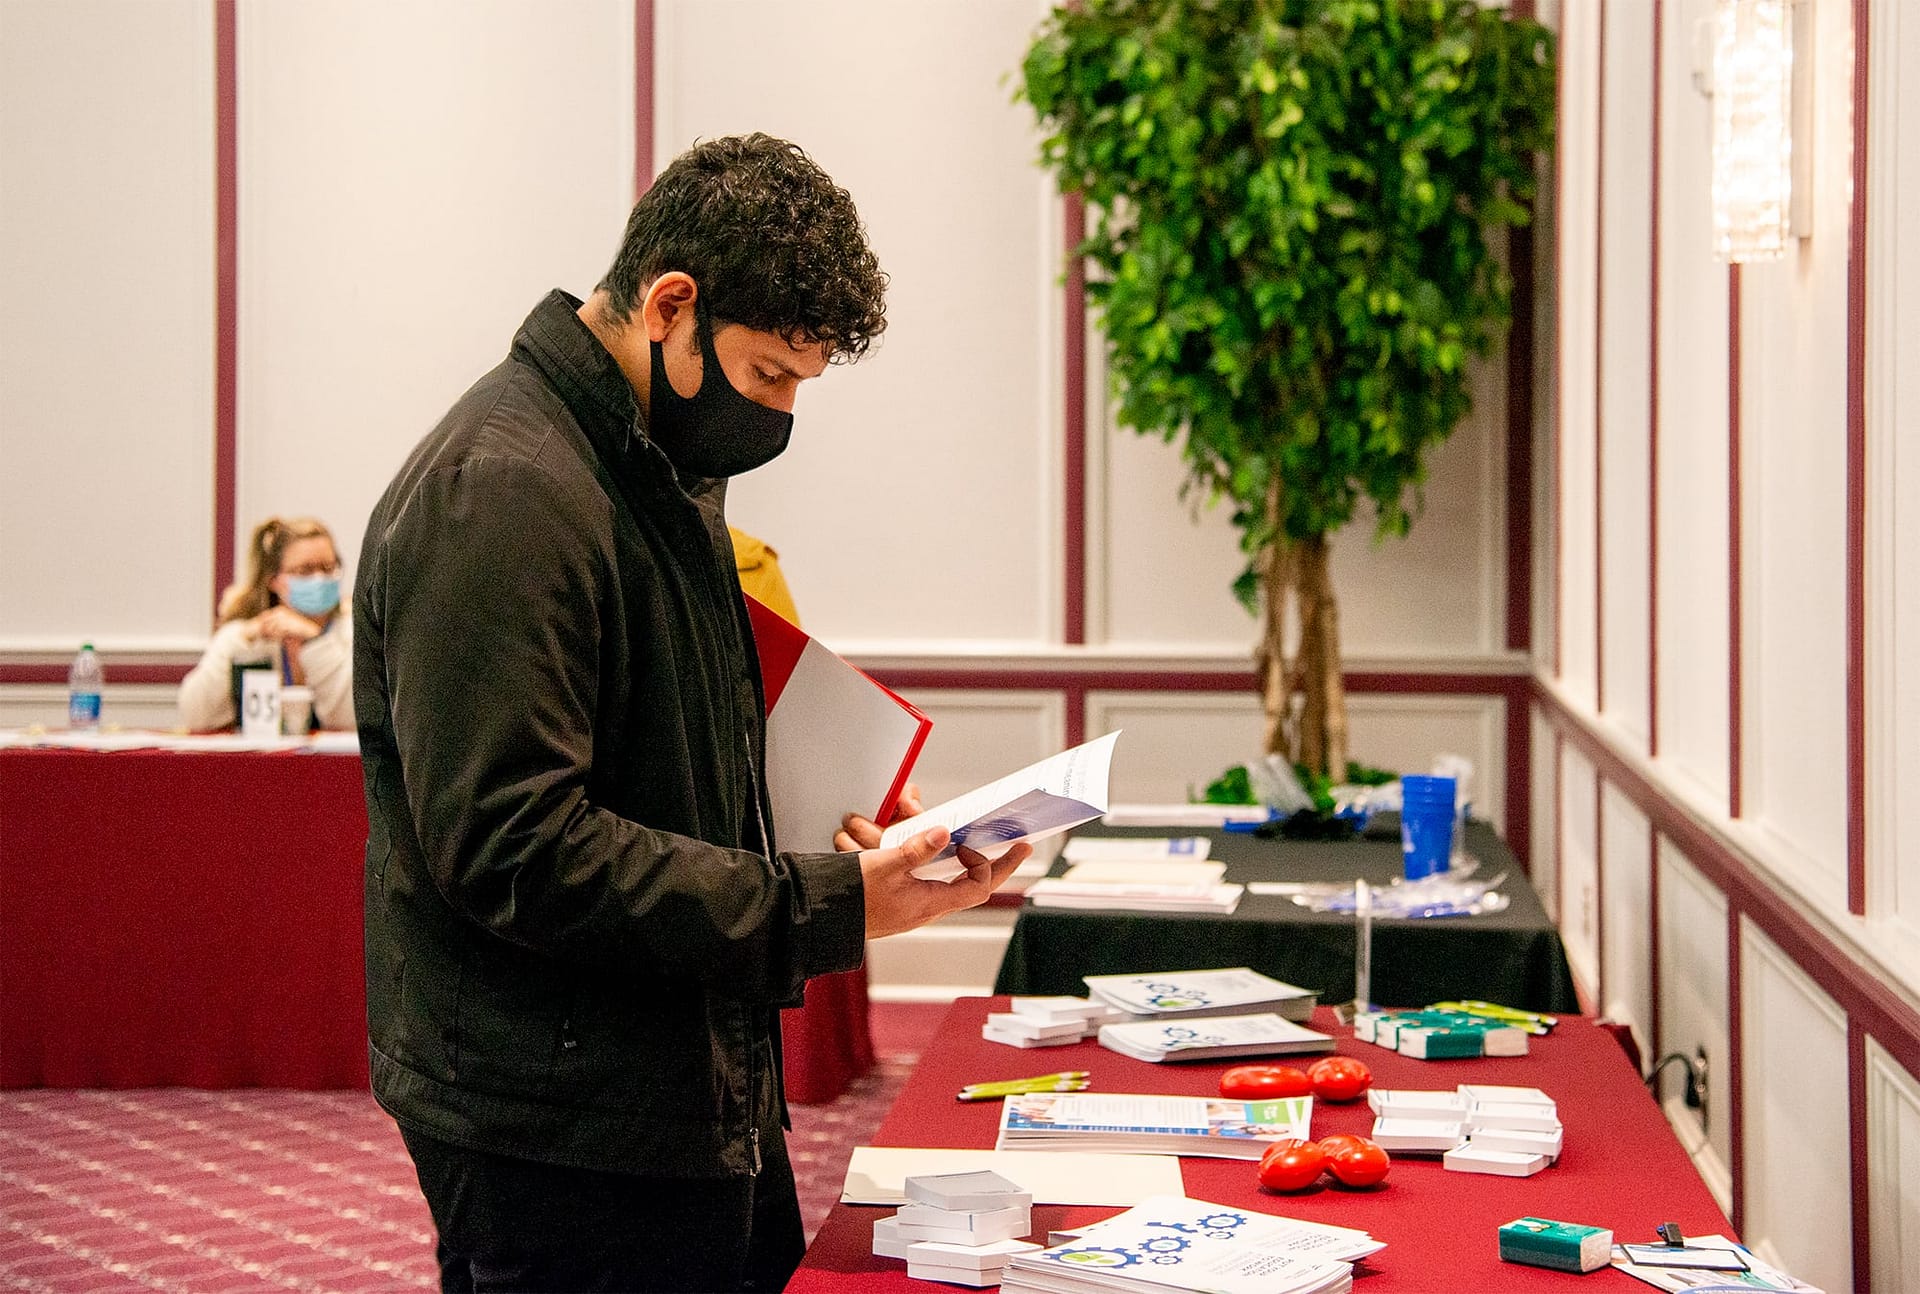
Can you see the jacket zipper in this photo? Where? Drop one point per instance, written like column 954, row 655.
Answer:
column 753, row 1049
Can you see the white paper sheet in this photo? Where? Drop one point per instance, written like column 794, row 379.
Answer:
column 878, row 1174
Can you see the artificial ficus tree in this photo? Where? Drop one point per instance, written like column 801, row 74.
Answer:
column 1292, row 212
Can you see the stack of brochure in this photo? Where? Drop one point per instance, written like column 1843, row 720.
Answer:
column 1173, row 885
column 1172, row 995
column 1170, row 1242
column 1048, row 1021
column 1175, row 1125
column 1213, row 1037
column 960, row 1228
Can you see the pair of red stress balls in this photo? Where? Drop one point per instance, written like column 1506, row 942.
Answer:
column 1294, row 1165
column 1331, row 1078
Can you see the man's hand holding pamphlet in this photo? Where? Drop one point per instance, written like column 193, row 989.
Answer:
column 1041, row 800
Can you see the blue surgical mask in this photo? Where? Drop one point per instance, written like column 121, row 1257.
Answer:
column 313, row 595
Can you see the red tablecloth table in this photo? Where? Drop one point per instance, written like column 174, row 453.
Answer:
column 1620, row 1167
column 181, row 919
column 193, row 918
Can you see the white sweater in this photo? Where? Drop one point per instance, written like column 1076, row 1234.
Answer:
column 206, row 693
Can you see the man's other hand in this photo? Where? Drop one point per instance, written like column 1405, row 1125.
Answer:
column 897, row 900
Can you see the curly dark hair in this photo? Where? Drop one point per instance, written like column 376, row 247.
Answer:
column 772, row 242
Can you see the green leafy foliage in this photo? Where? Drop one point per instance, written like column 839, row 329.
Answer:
column 1289, row 212
column 1231, row 787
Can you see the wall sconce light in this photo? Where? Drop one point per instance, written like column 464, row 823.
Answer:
column 1762, row 127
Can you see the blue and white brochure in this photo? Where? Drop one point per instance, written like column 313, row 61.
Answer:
column 1186, row 1244
column 1236, row 990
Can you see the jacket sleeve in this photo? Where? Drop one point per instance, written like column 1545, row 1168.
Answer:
column 327, row 662
column 206, row 693
column 493, row 584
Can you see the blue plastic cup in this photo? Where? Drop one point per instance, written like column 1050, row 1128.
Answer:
column 1426, row 825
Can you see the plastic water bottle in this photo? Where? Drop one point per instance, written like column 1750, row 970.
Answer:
column 83, row 690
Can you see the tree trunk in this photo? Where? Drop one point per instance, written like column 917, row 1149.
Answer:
column 1302, row 691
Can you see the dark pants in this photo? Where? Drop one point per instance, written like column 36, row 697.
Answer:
column 514, row 1224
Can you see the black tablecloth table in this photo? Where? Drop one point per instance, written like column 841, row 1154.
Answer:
column 1513, row 957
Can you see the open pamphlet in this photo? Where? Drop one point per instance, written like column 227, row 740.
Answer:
column 1213, row 1037
column 837, row 741
column 1041, row 800
column 1213, row 1127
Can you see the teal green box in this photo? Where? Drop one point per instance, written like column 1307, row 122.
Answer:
column 1563, row 1246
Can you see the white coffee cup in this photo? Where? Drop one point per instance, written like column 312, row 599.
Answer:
column 260, row 703
column 296, row 709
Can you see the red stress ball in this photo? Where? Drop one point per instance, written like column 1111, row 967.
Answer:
column 1263, row 1082
column 1339, row 1078
column 1355, row 1161
column 1292, row 1165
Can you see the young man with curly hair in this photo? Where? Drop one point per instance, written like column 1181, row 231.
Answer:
column 579, row 930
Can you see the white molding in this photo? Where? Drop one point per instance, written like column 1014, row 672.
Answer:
column 1713, row 1170
column 1858, row 940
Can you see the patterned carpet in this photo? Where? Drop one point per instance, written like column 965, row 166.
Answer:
column 200, row 1192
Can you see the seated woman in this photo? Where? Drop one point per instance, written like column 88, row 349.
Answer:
column 285, row 614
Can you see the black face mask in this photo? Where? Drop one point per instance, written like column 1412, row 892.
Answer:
column 716, row 431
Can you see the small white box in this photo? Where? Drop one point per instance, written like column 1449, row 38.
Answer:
column 1021, row 1040
column 924, row 1222
column 1025, row 1027
column 1517, row 1142
column 1501, row 1163
column 1056, row 1010
column 1519, row 1118
column 980, row 1189
column 1366, row 1026
column 961, row 1265
column 1417, row 1136
column 887, row 1240
column 1503, row 1042
column 1504, row 1095
column 1413, row 1103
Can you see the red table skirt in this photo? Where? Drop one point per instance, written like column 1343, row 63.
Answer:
column 826, row 1044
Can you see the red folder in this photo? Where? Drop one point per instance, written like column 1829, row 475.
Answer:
column 837, row 741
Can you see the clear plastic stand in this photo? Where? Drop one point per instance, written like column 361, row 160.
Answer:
column 1362, row 954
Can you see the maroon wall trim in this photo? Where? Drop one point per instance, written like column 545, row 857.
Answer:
column 643, row 57
column 226, row 296
column 1736, row 1073
column 1653, row 400
column 1599, row 363
column 1857, row 480
column 1074, row 377
column 1859, row 1159
column 1735, row 682
column 1556, row 409
column 1882, row 1012
column 1520, row 253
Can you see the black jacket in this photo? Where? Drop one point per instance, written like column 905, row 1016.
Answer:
column 576, row 929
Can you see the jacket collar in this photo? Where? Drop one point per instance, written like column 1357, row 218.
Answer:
column 583, row 373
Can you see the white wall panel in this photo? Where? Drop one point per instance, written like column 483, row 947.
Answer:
column 106, row 323
column 1794, row 1117
column 931, row 469
column 1165, row 565
column 1578, row 235
column 1626, row 294
column 1793, row 356
column 1626, row 864
column 1893, row 491
column 1543, row 868
column 1893, row 1167
column 1692, row 564
column 1177, row 742
column 978, row 736
column 1579, row 879
column 1693, row 991
column 414, row 176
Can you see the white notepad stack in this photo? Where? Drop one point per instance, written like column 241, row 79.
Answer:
column 1475, row 1128
column 1048, row 1021
column 957, row 1227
